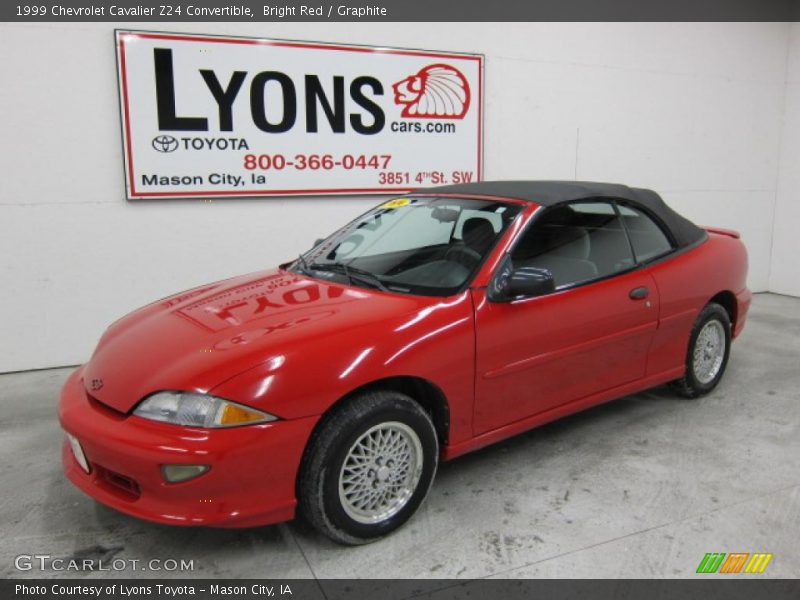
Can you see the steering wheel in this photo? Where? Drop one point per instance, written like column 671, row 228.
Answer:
column 463, row 255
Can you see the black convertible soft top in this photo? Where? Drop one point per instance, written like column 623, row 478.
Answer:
column 550, row 193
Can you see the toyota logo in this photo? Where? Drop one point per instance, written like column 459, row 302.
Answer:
column 96, row 384
column 165, row 143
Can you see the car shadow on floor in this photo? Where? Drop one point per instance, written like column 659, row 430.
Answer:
column 80, row 528
column 603, row 428
column 572, row 430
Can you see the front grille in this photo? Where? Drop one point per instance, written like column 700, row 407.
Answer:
column 117, row 482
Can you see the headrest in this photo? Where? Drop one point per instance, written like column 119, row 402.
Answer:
column 477, row 234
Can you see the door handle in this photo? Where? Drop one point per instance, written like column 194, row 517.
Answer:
column 639, row 293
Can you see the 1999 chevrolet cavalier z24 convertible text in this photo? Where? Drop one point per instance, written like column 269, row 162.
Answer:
column 432, row 325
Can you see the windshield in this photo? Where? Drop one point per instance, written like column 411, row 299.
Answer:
column 419, row 245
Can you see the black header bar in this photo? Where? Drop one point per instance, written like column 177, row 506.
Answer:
column 711, row 588
column 174, row 11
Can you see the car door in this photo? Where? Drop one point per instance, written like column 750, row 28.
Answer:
column 590, row 335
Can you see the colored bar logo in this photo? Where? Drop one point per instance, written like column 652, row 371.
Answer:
column 735, row 562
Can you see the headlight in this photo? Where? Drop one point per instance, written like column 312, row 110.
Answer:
column 198, row 410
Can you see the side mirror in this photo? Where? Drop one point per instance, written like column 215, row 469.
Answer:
column 530, row 281
column 511, row 283
column 318, row 242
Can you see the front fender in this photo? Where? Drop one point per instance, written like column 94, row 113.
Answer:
column 436, row 343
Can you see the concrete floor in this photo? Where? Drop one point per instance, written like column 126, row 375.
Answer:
column 641, row 487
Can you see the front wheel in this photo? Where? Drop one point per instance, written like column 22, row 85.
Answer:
column 368, row 467
column 707, row 355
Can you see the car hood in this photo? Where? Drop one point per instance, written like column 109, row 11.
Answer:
column 198, row 339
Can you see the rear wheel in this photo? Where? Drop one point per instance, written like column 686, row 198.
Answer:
column 707, row 355
column 368, row 467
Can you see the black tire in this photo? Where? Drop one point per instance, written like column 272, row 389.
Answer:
column 318, row 484
column 691, row 385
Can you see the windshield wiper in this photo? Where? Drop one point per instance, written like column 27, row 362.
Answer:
column 365, row 276
column 303, row 264
column 352, row 274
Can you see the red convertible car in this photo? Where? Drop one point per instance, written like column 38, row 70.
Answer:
column 432, row 325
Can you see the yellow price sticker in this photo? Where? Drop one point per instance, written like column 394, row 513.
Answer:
column 396, row 203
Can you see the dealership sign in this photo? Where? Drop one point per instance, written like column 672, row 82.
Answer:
column 207, row 116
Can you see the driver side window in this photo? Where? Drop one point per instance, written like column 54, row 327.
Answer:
column 576, row 242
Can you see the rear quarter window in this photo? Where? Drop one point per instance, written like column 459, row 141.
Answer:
column 647, row 238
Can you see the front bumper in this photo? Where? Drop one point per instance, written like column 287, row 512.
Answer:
column 251, row 480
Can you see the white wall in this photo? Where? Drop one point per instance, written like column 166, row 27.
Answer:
column 691, row 110
column 785, row 268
